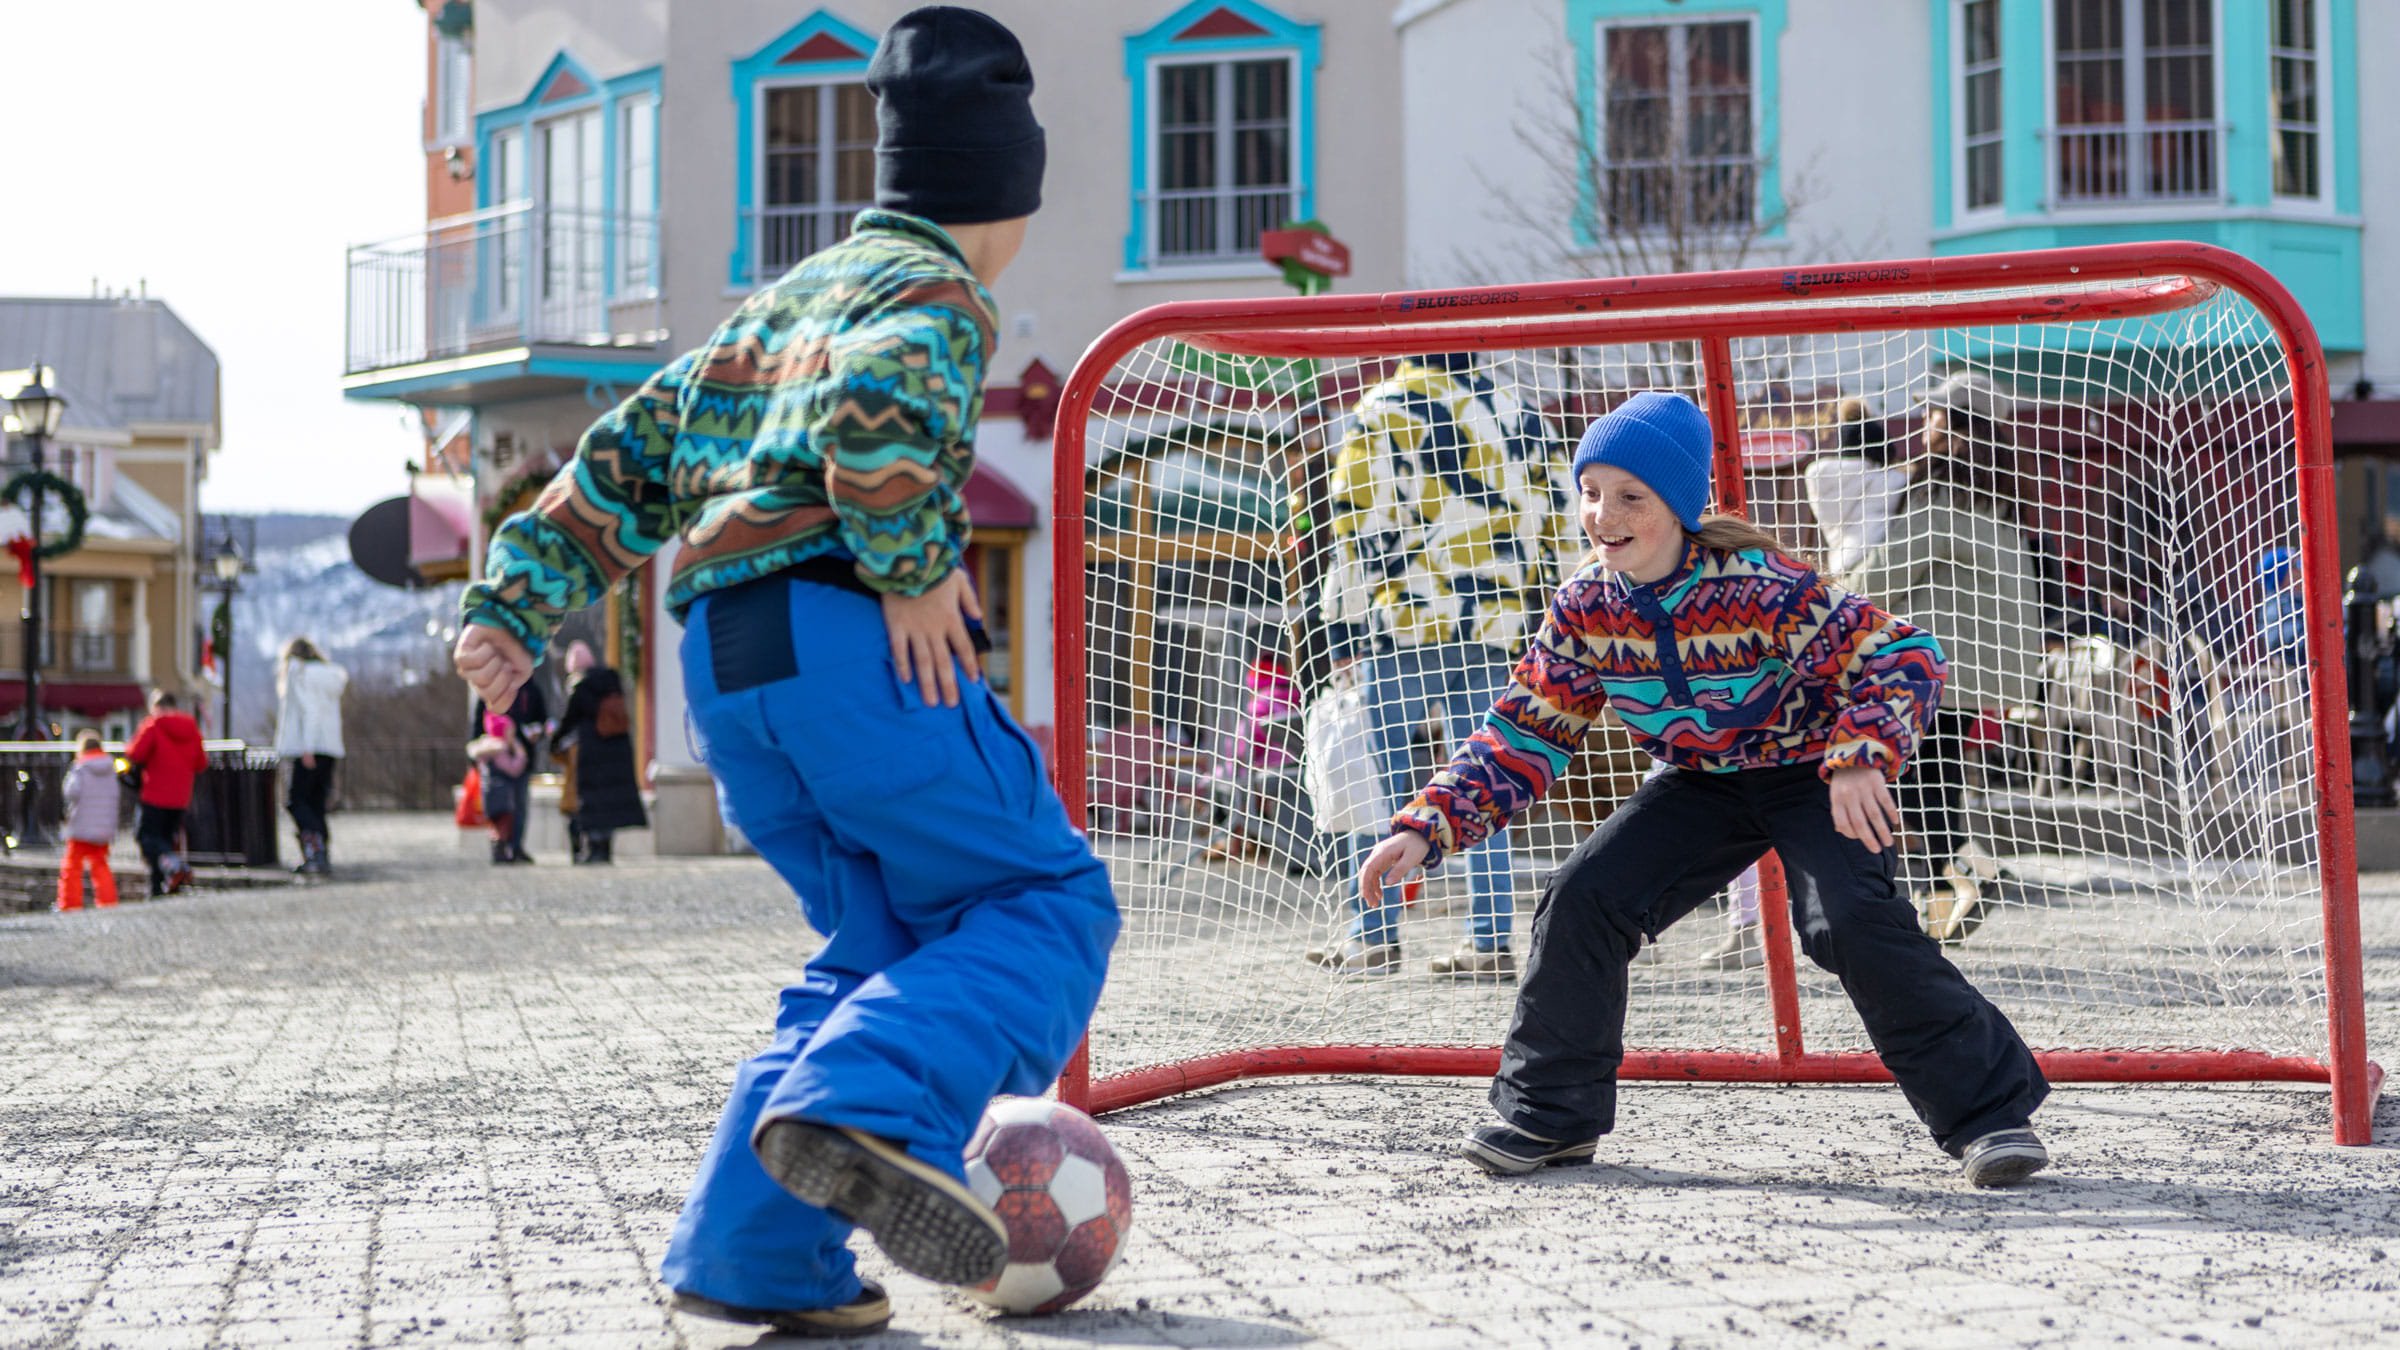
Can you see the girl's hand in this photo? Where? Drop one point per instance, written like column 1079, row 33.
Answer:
column 1394, row 860
column 494, row 664
column 930, row 641
column 1863, row 807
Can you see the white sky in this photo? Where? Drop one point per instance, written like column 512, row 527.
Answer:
column 228, row 154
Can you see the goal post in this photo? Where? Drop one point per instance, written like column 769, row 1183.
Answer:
column 2155, row 796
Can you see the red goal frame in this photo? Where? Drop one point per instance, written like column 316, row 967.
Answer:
column 2089, row 284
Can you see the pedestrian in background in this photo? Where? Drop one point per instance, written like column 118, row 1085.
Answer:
column 601, row 775
column 166, row 751
column 92, row 804
column 499, row 757
column 529, row 714
column 308, row 735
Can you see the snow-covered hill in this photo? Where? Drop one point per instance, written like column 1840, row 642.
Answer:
column 305, row 584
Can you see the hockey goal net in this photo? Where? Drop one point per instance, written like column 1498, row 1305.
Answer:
column 2153, row 786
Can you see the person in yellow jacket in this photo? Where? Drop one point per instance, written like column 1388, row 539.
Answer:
column 1444, row 538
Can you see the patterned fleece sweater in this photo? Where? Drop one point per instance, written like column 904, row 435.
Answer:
column 1732, row 661
column 833, row 415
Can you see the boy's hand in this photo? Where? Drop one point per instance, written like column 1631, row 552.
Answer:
column 1863, row 807
column 929, row 630
column 493, row 663
column 1394, row 860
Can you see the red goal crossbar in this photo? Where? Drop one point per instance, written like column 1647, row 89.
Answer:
column 1710, row 310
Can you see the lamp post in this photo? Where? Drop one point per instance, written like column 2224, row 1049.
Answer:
column 228, row 567
column 37, row 411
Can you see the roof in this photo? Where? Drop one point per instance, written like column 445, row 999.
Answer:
column 119, row 361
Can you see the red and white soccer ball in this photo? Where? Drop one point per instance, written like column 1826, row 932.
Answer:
column 1063, row 1194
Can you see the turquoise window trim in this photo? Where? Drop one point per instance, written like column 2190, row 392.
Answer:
column 2245, row 88
column 1769, row 20
column 760, row 70
column 605, row 96
column 2318, row 260
column 1143, row 50
column 2023, row 90
column 2341, row 67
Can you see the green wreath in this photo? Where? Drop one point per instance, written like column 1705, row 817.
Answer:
column 69, row 496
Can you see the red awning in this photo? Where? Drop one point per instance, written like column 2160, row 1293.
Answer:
column 91, row 700
column 994, row 503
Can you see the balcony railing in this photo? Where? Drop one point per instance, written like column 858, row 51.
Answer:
column 508, row 276
column 72, row 653
column 1213, row 224
column 782, row 235
column 2121, row 165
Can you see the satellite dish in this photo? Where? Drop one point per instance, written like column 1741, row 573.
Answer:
column 379, row 544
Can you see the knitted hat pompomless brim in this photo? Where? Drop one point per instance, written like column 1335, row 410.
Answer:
column 956, row 141
column 1660, row 438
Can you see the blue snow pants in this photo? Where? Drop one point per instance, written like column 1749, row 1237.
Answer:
column 967, row 925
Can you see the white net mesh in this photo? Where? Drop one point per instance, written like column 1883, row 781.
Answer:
column 2123, row 775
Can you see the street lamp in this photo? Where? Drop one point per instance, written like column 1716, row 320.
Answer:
column 228, row 567
column 38, row 410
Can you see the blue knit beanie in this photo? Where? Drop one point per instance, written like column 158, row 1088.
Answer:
column 1661, row 439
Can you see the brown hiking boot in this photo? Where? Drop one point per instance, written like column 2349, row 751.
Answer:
column 870, row 1312
column 1470, row 962
column 1353, row 957
column 926, row 1220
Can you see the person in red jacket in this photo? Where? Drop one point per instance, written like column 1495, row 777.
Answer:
column 167, row 752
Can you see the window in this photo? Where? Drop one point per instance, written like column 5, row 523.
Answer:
column 453, row 90
column 804, row 145
column 818, row 170
column 637, row 195
column 1224, row 157
column 2136, row 91
column 1676, row 127
column 573, row 219
column 2299, row 112
column 506, row 178
column 1979, row 103
column 94, row 648
column 1223, row 133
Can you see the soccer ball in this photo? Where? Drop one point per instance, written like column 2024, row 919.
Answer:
column 1061, row 1191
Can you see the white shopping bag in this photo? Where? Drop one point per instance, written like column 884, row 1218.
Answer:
column 1345, row 787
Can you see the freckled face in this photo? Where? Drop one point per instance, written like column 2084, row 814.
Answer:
column 1633, row 529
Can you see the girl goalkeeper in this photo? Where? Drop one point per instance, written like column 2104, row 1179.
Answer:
column 1779, row 709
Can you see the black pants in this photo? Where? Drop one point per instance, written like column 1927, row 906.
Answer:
column 1933, row 795
column 1671, row 846
column 307, row 795
column 155, row 828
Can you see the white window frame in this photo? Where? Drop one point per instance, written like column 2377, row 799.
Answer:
column 1154, row 213
column 1962, row 140
column 1678, row 104
column 453, row 92
column 637, row 233
column 2136, row 126
column 2324, row 128
column 838, row 213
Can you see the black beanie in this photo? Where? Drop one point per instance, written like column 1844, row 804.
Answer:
column 955, row 137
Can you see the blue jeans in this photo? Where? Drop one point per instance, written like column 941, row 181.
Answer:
column 967, row 923
column 1460, row 682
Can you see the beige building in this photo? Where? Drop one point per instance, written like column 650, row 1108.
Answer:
column 122, row 613
column 640, row 169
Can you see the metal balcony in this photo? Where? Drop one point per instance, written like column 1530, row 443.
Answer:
column 510, row 280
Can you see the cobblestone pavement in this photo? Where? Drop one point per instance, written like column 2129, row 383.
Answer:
column 442, row 1104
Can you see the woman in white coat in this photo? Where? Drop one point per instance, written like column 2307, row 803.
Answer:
column 308, row 735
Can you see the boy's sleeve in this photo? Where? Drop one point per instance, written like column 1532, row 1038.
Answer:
column 604, row 515
column 1530, row 738
column 898, row 442
column 1888, row 672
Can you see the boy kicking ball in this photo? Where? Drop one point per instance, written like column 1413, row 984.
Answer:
column 1779, row 709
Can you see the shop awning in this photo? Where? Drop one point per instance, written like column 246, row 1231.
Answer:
column 993, row 503
column 69, row 696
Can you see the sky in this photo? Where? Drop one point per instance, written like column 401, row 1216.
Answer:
column 227, row 155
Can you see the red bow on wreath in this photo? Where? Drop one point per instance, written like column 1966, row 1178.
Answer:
column 22, row 548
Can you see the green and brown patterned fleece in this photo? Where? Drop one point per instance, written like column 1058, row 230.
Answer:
column 833, row 415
